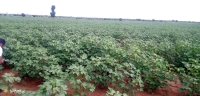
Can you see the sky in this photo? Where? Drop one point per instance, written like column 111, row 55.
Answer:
column 182, row 10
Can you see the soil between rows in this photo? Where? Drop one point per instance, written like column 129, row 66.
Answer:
column 32, row 84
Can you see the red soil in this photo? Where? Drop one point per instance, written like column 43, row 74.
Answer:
column 32, row 84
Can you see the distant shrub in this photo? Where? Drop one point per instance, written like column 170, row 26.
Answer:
column 23, row 15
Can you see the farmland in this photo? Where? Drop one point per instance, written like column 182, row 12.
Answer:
column 126, row 56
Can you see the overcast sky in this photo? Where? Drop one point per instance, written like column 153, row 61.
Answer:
column 182, row 10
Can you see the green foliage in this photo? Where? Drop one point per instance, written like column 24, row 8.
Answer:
column 1, row 67
column 155, row 70
column 53, row 71
column 123, row 56
column 190, row 78
column 28, row 58
column 53, row 86
column 79, row 80
column 101, row 60
column 8, row 80
column 185, row 51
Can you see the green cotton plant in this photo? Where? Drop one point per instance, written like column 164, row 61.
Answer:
column 156, row 74
column 185, row 51
column 103, row 62
column 190, row 77
column 79, row 80
column 53, row 71
column 67, row 52
column 28, row 58
column 7, row 81
column 155, row 70
column 107, row 72
column 174, row 52
column 51, row 87
column 107, row 64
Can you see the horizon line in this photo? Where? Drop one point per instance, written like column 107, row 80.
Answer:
column 87, row 17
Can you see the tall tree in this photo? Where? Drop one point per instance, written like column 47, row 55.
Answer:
column 53, row 13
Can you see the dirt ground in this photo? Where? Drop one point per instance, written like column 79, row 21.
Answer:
column 31, row 84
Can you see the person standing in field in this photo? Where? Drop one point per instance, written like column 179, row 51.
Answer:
column 2, row 43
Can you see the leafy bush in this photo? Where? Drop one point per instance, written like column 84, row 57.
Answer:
column 26, row 58
column 190, row 78
column 7, row 81
column 185, row 51
column 80, row 80
column 155, row 70
column 53, row 86
column 103, row 61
